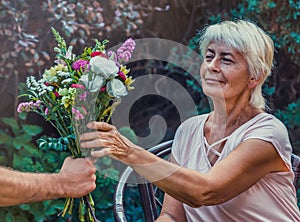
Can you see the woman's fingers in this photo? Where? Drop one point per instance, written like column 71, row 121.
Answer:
column 102, row 130
column 96, row 143
column 101, row 153
column 90, row 135
column 107, row 138
column 102, row 126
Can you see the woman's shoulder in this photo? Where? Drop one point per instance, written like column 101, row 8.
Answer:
column 268, row 127
column 271, row 129
column 195, row 120
column 267, row 119
column 191, row 124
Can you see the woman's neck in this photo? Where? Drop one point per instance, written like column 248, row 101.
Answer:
column 225, row 119
column 236, row 112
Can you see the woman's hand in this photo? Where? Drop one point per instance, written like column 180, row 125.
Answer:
column 108, row 141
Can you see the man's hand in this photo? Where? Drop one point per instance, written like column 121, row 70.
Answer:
column 77, row 177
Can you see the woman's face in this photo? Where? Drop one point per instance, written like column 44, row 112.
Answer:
column 224, row 73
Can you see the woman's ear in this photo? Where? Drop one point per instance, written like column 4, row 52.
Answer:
column 253, row 82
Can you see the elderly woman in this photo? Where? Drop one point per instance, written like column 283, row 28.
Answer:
column 232, row 164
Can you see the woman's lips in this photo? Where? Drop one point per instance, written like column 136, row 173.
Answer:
column 213, row 81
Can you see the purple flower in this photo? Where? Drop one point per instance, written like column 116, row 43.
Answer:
column 112, row 56
column 124, row 52
column 80, row 65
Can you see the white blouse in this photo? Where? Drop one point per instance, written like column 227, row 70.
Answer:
column 272, row 198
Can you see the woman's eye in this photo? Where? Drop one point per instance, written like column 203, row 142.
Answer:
column 209, row 57
column 227, row 61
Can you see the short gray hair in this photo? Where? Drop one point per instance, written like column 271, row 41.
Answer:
column 252, row 42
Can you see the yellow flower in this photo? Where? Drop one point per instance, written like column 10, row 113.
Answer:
column 61, row 67
column 128, row 83
column 124, row 70
column 66, row 101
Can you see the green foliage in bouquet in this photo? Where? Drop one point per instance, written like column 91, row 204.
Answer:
column 76, row 90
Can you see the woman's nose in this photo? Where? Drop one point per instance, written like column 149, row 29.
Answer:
column 214, row 66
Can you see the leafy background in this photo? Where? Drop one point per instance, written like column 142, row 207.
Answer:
column 27, row 49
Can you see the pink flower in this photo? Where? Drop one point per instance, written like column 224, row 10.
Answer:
column 80, row 65
column 56, row 94
column 98, row 53
column 122, row 75
column 84, row 110
column 77, row 113
column 28, row 106
column 20, row 108
column 77, row 86
column 46, row 111
column 103, row 89
column 82, row 96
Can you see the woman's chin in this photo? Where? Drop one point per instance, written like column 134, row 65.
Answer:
column 214, row 92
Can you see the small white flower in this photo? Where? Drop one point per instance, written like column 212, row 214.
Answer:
column 103, row 66
column 66, row 81
column 63, row 74
column 116, row 88
column 69, row 54
column 42, row 92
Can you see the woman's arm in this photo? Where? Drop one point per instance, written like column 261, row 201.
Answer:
column 241, row 169
column 75, row 179
column 171, row 211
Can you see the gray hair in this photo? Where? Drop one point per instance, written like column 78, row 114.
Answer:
column 252, row 42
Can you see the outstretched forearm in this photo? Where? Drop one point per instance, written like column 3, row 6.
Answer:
column 75, row 179
column 19, row 187
column 187, row 185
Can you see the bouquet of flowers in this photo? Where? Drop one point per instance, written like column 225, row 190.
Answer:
column 76, row 90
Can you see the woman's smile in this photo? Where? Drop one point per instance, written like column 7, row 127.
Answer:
column 211, row 80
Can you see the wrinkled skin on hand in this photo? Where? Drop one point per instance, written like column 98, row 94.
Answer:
column 108, row 141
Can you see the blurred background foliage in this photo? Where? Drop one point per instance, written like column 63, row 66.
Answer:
column 27, row 49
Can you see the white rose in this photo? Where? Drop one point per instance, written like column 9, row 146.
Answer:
column 116, row 88
column 94, row 83
column 103, row 66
